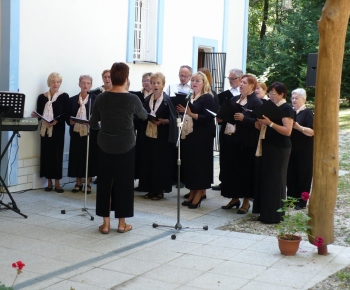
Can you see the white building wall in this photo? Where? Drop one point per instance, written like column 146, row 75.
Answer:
column 75, row 37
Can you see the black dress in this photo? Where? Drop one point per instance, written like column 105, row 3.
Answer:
column 300, row 164
column 197, row 147
column 78, row 144
column 276, row 150
column 51, row 148
column 237, row 152
column 155, row 173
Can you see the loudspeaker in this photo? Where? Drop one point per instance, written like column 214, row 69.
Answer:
column 311, row 69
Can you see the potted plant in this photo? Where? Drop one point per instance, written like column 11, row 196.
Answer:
column 292, row 224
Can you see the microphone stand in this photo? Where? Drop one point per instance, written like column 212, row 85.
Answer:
column 178, row 225
column 85, row 209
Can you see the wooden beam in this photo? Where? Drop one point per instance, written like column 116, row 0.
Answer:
column 332, row 29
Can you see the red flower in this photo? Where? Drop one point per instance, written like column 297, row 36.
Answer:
column 19, row 265
column 319, row 241
column 305, row 196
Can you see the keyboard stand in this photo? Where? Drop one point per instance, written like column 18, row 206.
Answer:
column 2, row 183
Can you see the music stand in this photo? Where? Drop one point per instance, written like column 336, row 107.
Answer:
column 81, row 121
column 11, row 106
column 178, row 225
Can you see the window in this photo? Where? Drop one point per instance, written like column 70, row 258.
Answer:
column 145, row 30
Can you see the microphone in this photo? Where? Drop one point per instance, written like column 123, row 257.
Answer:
column 189, row 95
column 95, row 91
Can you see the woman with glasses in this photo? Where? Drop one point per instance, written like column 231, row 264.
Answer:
column 197, row 139
column 300, row 164
column 159, row 135
column 274, row 147
column 80, row 106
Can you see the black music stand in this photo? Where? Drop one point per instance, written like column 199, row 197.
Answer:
column 11, row 106
column 178, row 225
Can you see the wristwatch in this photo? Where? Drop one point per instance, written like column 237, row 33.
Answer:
column 271, row 125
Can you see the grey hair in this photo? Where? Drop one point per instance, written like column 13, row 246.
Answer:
column 85, row 77
column 186, row 66
column 238, row 72
column 300, row 92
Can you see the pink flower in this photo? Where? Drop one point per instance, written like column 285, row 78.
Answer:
column 305, row 196
column 319, row 241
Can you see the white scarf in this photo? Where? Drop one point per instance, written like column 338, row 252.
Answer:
column 263, row 128
column 48, row 114
column 231, row 129
column 187, row 126
column 81, row 114
column 151, row 130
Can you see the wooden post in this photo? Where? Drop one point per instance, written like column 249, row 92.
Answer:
column 332, row 29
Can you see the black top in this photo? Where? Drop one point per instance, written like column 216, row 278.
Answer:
column 275, row 138
column 299, row 140
column 116, row 112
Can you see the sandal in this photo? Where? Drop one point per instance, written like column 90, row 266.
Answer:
column 77, row 188
column 104, row 229
column 88, row 189
column 158, row 196
column 148, row 195
column 124, row 228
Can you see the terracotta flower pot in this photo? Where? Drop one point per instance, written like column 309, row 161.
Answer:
column 289, row 247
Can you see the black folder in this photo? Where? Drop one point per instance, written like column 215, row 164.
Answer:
column 270, row 110
column 180, row 99
column 227, row 111
column 226, row 95
column 51, row 121
column 151, row 118
column 139, row 94
column 78, row 120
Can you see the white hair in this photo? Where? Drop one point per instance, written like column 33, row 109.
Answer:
column 300, row 92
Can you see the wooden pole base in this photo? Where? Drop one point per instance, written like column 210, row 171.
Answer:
column 323, row 250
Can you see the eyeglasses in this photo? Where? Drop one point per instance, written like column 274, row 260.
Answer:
column 232, row 79
column 184, row 77
column 196, row 81
column 147, row 81
column 272, row 94
column 294, row 98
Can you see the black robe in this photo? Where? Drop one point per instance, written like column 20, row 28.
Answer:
column 78, row 144
column 51, row 148
column 197, row 147
column 155, row 173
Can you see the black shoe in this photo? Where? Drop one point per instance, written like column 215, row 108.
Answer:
column 243, row 210
column 198, row 204
column 231, row 205
column 48, row 188
column 59, row 190
column 216, row 187
column 186, row 203
column 187, row 195
column 182, row 185
column 148, row 195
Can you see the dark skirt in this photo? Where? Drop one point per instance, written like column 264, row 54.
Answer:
column 77, row 155
column 230, row 168
column 299, row 175
column 273, row 181
column 197, row 160
column 51, row 155
column 156, row 168
column 115, row 187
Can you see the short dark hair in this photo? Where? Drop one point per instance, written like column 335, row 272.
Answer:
column 280, row 88
column 119, row 73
